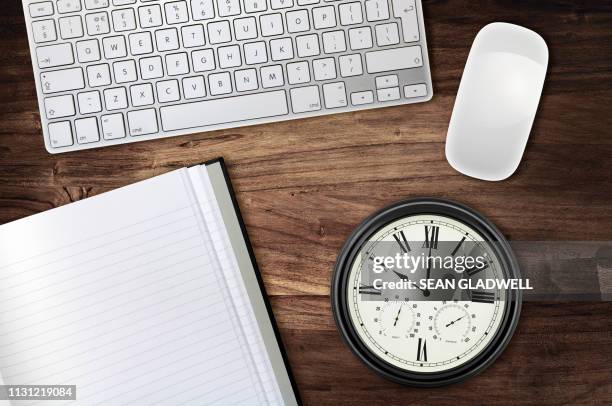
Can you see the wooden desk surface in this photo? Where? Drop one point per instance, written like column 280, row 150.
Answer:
column 304, row 185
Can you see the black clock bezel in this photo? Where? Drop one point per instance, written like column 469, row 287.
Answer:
column 373, row 224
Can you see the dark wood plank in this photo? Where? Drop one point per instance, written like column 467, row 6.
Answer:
column 304, row 185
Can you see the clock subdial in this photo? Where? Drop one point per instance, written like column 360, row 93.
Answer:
column 453, row 323
column 396, row 319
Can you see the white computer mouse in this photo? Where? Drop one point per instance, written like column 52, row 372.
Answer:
column 497, row 101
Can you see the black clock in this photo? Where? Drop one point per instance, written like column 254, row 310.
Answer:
column 414, row 336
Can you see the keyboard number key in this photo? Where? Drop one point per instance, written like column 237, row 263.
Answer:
column 124, row 20
column 334, row 95
column 87, row 130
column 176, row 12
column 203, row 9
column 60, row 134
column 113, row 126
column 150, row 16
column 228, row 7
column 142, row 122
column 44, row 31
column 97, row 23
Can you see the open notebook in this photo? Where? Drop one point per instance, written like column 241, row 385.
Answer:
column 146, row 295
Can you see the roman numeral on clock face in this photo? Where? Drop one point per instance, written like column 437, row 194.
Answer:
column 369, row 290
column 431, row 237
column 481, row 296
column 422, row 350
column 402, row 241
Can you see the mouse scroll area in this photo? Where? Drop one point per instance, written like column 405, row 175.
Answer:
column 495, row 107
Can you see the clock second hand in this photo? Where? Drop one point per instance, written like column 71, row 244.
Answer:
column 454, row 321
column 397, row 317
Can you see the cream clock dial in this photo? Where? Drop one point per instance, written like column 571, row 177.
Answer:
column 415, row 336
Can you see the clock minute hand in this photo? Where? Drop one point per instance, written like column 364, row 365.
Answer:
column 405, row 277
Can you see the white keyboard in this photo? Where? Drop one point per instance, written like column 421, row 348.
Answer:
column 117, row 71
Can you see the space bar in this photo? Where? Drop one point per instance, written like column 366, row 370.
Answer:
column 221, row 111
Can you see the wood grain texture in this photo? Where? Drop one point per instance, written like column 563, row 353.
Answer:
column 304, row 185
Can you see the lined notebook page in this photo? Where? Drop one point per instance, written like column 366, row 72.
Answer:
column 122, row 296
column 238, row 293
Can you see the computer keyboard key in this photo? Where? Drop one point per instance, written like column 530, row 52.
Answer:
column 350, row 13
column 142, row 122
column 334, row 95
column 95, row 4
column 150, row 16
column 406, row 11
column 360, row 38
column 324, row 69
column 86, row 130
column 359, row 98
column 176, row 12
column 387, row 34
column 304, row 99
column 70, row 27
column 394, row 59
column 124, row 20
column 350, row 65
column 89, row 102
column 383, row 82
column 115, row 99
column 44, row 31
column 98, row 75
column 62, row 80
column 297, row 21
column 54, row 55
column 392, row 93
column 59, row 106
column 220, row 83
column 60, row 134
column 97, row 23
column 113, row 126
column 419, row 90
column 307, row 45
column 225, row 110
column 279, row 4
column 168, row 91
column 194, row 87
column 246, row 79
column 88, row 51
column 377, row 10
column 142, row 95
column 42, row 9
column 272, row 76
column 68, row 6
column 324, row 17
column 298, row 72
column 228, row 8
column 204, row 9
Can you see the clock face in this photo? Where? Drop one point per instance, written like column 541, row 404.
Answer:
column 423, row 332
